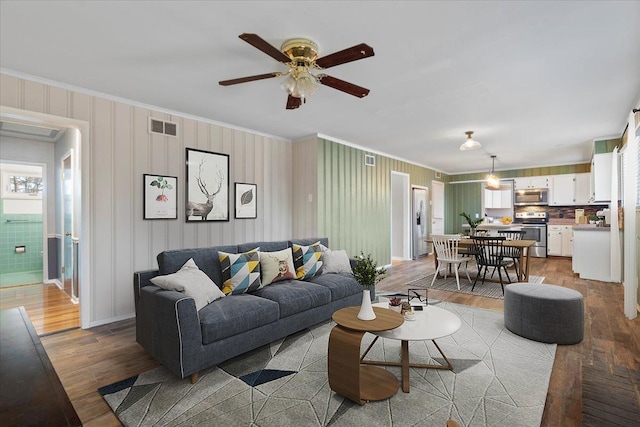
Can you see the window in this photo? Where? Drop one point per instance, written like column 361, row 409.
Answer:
column 17, row 185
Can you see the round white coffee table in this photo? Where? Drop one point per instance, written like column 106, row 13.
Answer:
column 430, row 323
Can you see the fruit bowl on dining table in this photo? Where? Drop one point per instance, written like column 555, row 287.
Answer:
column 506, row 220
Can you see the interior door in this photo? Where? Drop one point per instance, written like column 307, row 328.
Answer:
column 437, row 208
column 67, row 225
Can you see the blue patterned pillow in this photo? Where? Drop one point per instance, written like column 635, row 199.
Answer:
column 240, row 272
column 307, row 260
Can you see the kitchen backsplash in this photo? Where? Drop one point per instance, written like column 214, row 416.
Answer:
column 561, row 212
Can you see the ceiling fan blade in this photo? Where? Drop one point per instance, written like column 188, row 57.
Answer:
column 293, row 102
column 346, row 87
column 248, row 79
column 259, row 43
column 348, row 55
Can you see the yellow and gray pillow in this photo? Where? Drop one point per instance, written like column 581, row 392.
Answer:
column 307, row 260
column 240, row 272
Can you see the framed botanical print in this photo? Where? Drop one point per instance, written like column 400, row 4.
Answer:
column 207, row 186
column 246, row 200
column 160, row 197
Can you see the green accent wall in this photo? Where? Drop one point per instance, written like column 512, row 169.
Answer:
column 606, row 145
column 354, row 200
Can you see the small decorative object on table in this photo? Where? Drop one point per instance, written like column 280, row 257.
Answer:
column 367, row 273
column 395, row 304
column 405, row 307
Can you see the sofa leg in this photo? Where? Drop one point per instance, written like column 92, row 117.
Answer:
column 194, row 377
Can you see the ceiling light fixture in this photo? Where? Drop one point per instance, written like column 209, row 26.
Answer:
column 470, row 143
column 493, row 183
column 300, row 83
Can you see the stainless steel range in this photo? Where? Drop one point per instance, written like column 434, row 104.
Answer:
column 534, row 224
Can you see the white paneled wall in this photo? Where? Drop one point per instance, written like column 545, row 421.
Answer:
column 121, row 151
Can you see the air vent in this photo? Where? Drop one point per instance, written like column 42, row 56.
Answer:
column 163, row 128
column 438, row 175
column 369, row 160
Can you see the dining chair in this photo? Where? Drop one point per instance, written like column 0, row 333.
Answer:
column 489, row 253
column 446, row 247
column 513, row 253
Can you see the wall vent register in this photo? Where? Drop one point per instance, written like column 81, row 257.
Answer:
column 369, row 160
column 163, row 127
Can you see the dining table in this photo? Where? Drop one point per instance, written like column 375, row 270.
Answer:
column 523, row 245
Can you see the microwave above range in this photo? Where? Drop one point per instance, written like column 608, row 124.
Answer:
column 531, row 197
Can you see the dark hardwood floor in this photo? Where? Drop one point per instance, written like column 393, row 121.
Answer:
column 88, row 359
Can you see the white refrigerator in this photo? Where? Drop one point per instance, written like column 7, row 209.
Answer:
column 419, row 222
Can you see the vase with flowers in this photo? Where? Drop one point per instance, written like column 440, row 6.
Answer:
column 367, row 273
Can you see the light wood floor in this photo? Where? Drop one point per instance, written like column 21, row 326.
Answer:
column 88, row 359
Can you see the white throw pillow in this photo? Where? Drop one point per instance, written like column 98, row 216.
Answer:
column 336, row 262
column 191, row 281
column 276, row 266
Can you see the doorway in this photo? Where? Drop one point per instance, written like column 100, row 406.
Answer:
column 64, row 136
column 400, row 216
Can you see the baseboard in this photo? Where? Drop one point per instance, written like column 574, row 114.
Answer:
column 56, row 282
column 111, row 320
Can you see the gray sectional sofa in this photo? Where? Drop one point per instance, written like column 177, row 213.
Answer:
column 187, row 341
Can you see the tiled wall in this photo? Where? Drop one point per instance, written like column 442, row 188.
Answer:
column 23, row 230
column 561, row 212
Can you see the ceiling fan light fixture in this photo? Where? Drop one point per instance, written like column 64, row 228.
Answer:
column 470, row 143
column 493, row 183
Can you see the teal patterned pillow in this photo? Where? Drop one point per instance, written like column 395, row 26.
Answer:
column 240, row 272
column 307, row 260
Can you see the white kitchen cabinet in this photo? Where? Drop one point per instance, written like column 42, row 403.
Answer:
column 560, row 240
column 601, row 177
column 529, row 182
column 592, row 252
column 562, row 190
column 583, row 188
column 570, row 189
column 498, row 199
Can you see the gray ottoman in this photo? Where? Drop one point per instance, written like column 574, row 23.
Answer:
column 545, row 313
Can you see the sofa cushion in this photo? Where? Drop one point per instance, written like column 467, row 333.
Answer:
column 264, row 246
column 205, row 258
column 240, row 272
column 341, row 285
column 335, row 261
column 192, row 282
column 235, row 314
column 294, row 296
column 276, row 266
column 307, row 260
column 310, row 241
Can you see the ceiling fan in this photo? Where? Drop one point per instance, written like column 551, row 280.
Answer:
column 301, row 56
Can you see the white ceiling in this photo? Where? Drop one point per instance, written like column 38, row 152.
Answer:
column 536, row 81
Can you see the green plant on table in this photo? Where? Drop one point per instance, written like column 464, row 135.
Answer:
column 473, row 223
column 366, row 271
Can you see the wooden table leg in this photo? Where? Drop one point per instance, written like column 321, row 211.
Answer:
column 405, row 366
column 524, row 268
column 347, row 377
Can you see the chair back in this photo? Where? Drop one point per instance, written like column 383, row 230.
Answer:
column 512, row 235
column 488, row 250
column 446, row 246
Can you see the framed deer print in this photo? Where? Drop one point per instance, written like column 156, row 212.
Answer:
column 160, row 197
column 207, row 186
column 246, row 200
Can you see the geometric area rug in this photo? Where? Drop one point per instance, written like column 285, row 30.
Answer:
column 498, row 379
column 489, row 288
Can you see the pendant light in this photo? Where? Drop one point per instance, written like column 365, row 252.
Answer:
column 493, row 183
column 470, row 143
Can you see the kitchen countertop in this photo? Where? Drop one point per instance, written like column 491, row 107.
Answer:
column 493, row 226
column 589, row 227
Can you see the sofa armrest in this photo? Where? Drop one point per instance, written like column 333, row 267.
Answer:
column 168, row 327
column 140, row 280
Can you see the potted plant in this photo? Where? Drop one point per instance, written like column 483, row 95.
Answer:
column 395, row 304
column 473, row 223
column 367, row 273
